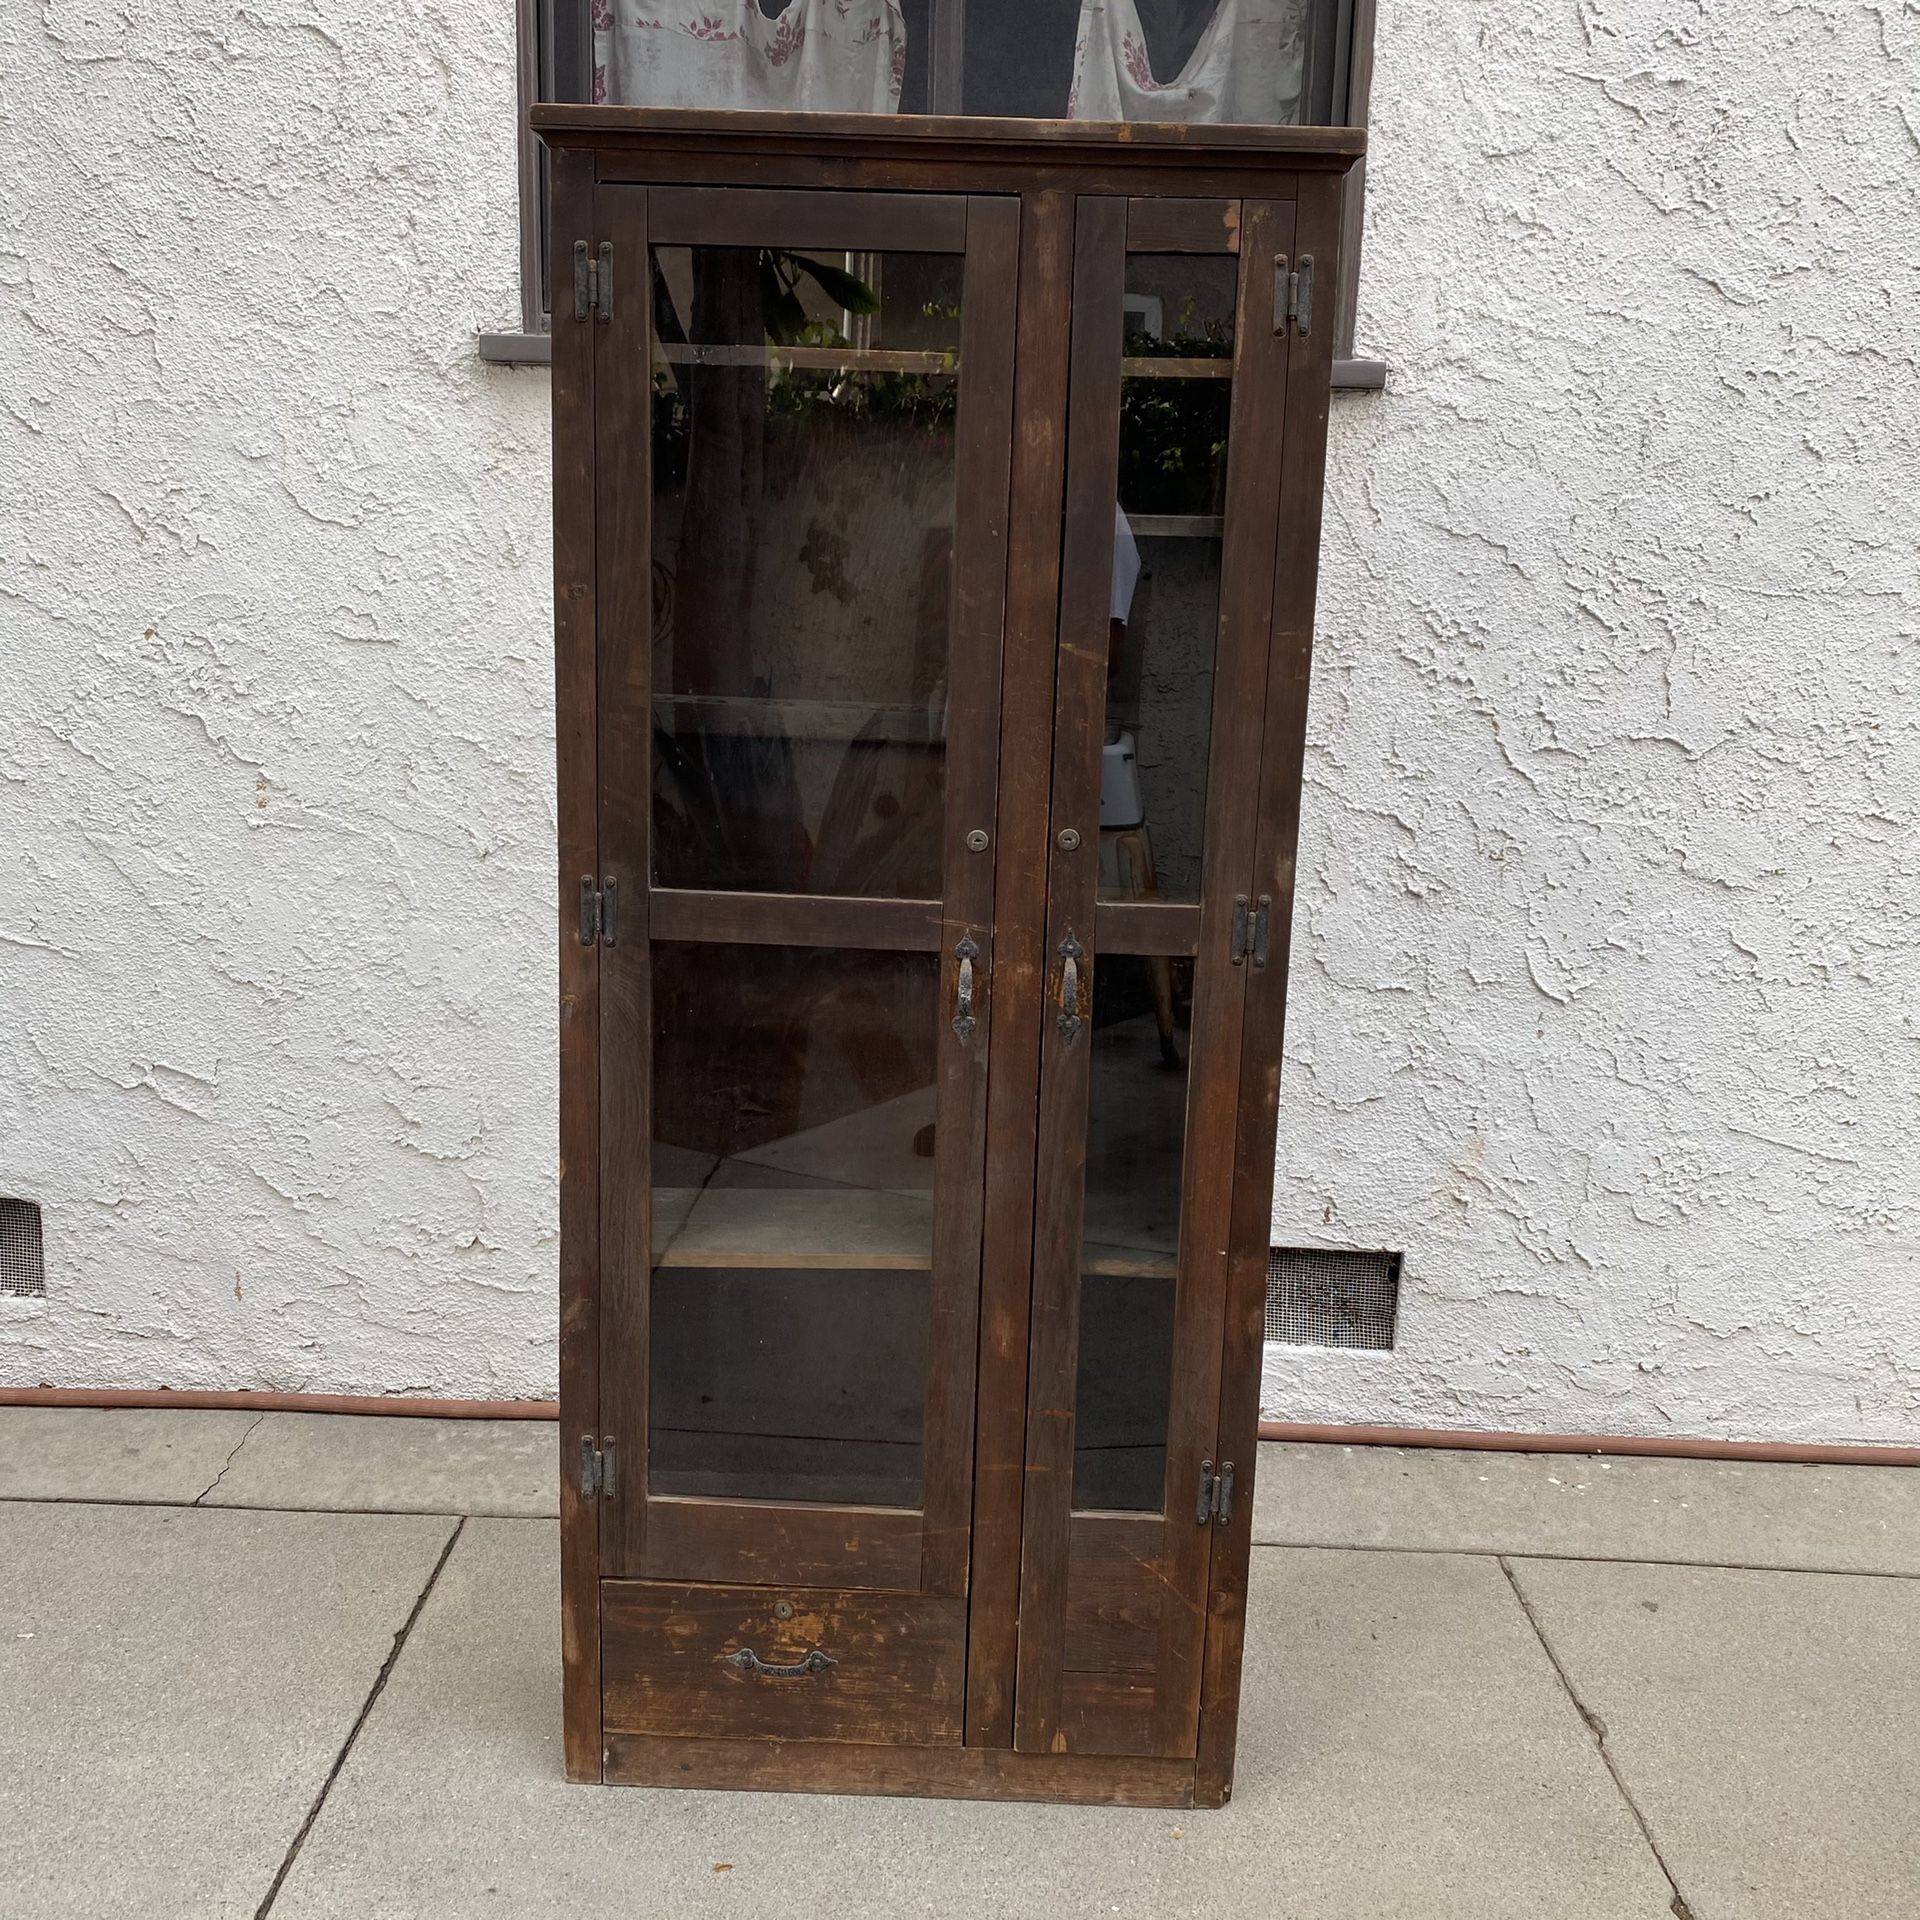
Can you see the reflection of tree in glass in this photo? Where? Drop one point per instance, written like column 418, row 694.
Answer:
column 729, row 439
column 1173, row 432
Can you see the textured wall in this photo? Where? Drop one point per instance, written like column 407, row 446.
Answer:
column 275, row 759
column 1605, row 997
column 1607, row 1006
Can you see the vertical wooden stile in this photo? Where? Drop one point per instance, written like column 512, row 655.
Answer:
column 574, row 704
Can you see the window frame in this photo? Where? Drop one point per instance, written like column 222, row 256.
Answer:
column 555, row 61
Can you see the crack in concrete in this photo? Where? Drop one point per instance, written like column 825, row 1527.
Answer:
column 360, row 1720
column 1598, row 1728
column 230, row 1459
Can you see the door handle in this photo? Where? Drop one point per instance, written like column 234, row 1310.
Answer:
column 1071, row 954
column 745, row 1660
column 966, row 950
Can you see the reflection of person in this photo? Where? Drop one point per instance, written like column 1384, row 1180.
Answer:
column 1126, row 576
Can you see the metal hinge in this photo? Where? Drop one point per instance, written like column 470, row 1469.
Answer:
column 596, row 1468
column 1293, row 294
column 1214, row 1499
column 1252, row 929
column 598, row 910
column 593, row 281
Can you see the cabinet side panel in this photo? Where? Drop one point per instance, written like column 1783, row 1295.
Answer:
column 623, row 501
column 1303, row 465
column 573, row 633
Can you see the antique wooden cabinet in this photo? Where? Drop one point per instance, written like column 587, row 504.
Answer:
column 936, row 506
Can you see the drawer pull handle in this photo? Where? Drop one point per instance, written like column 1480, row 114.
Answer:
column 745, row 1660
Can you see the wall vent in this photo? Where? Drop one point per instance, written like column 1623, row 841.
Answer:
column 1328, row 1297
column 23, row 1262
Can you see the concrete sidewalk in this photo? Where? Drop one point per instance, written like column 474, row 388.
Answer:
column 298, row 1665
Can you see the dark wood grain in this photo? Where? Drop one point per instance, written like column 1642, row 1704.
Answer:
column 573, row 639
column 875, row 223
column 1147, row 926
column 1109, row 1713
column 737, row 1542
column 795, row 919
column 1303, row 443
column 1026, row 732
column 897, row 1672
column 1086, row 572
column 988, row 171
column 1105, row 1646
column 623, row 513
column 954, row 1773
column 976, row 626
column 1183, row 226
column 1239, row 687
column 1116, row 1594
column 974, row 141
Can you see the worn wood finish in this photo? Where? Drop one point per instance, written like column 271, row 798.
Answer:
column 1079, row 713
column 996, row 1643
column 890, row 1667
column 623, row 511
column 1213, row 1070
column 1026, row 732
column 715, row 165
column 976, row 143
column 573, row 637
column 1182, row 1558
column 795, row 919
column 1110, row 1713
column 1308, row 374
column 1116, row 1593
column 1183, row 226
column 1159, row 927
column 976, row 627
column 952, row 1773
column 744, row 1541
column 875, row 223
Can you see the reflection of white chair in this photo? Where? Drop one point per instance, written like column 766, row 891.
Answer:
column 1126, row 868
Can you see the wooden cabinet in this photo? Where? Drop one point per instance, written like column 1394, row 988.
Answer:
column 936, row 513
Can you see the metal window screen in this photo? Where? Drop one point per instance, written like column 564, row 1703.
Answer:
column 23, row 1265
column 1320, row 1297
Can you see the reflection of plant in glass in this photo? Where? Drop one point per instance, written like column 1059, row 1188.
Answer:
column 1173, row 432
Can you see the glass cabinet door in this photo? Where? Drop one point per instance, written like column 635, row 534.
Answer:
column 802, row 539
column 1171, row 517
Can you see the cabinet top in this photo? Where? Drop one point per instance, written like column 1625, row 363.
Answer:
column 1050, row 143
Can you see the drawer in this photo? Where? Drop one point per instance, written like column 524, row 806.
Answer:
column 797, row 1663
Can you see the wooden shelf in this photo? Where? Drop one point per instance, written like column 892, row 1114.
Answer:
column 1147, row 366
column 800, row 720
column 1176, row 526
column 813, row 359
column 840, row 1230
column 798, row 1227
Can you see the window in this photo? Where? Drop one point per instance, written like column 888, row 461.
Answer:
column 1306, row 62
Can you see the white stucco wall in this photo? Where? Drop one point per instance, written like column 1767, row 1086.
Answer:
column 1604, row 981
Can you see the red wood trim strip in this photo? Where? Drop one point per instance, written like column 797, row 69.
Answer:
column 1650, row 1446
column 1305, row 1433
column 190, row 1399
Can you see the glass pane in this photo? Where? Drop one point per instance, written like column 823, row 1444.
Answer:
column 1175, row 399
column 1130, row 1243
column 793, row 1093
column 803, row 506
column 1264, row 61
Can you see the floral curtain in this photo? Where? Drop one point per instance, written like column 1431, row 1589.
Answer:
column 819, row 56
column 1249, row 65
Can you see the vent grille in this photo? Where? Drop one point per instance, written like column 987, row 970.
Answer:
column 23, row 1263
column 1321, row 1297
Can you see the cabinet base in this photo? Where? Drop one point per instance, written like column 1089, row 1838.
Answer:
column 953, row 1773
